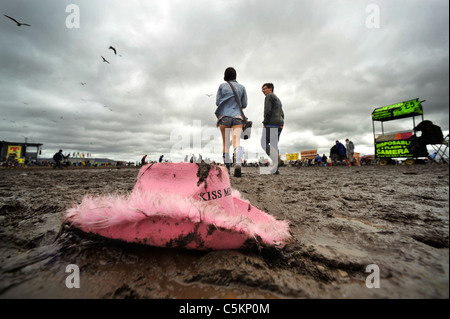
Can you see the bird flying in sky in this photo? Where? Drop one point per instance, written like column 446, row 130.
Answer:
column 104, row 60
column 209, row 95
column 17, row 22
column 112, row 48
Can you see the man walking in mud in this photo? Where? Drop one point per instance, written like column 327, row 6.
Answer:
column 350, row 148
column 58, row 158
column 273, row 125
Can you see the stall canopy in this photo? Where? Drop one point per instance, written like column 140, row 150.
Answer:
column 398, row 111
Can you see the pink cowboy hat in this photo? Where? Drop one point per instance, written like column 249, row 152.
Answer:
column 181, row 205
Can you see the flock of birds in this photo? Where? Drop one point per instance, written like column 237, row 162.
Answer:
column 82, row 83
column 26, row 24
column 104, row 59
column 115, row 52
column 19, row 24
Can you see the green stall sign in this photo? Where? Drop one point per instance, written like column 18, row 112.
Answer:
column 398, row 110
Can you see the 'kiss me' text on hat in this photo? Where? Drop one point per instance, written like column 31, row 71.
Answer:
column 216, row 194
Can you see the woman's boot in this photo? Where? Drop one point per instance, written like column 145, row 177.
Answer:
column 239, row 153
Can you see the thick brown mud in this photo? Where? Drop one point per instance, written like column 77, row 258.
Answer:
column 343, row 219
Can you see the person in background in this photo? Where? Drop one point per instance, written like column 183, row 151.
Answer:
column 143, row 160
column 229, row 118
column 318, row 160
column 341, row 152
column 350, row 148
column 324, row 160
column 12, row 160
column 58, row 158
column 273, row 125
column 334, row 154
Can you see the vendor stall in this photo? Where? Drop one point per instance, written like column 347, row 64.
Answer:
column 390, row 145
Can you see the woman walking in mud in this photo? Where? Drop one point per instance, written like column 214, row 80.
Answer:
column 230, row 119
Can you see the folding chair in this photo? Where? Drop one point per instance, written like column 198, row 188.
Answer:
column 441, row 154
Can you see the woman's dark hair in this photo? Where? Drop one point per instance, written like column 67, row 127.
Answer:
column 230, row 74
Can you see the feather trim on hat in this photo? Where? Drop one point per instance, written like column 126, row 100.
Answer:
column 95, row 214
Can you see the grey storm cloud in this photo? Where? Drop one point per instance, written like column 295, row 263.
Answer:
column 330, row 70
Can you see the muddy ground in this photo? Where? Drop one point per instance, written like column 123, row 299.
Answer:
column 342, row 220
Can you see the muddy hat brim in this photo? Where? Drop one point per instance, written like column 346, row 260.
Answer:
column 181, row 205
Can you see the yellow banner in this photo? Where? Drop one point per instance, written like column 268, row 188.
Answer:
column 14, row 149
column 292, row 157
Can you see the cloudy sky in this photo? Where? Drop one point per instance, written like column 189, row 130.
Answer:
column 332, row 63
